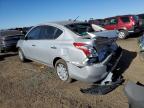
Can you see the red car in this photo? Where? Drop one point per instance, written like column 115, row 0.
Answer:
column 125, row 24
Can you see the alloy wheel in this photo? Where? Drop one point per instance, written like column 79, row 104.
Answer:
column 62, row 72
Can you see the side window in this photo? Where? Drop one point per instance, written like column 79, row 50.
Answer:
column 34, row 34
column 113, row 21
column 57, row 33
column 49, row 32
column 125, row 19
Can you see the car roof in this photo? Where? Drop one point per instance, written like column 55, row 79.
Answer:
column 10, row 32
column 119, row 16
column 63, row 23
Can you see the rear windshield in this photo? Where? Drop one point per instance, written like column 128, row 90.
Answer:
column 80, row 28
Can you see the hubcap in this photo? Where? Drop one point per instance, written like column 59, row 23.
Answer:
column 62, row 72
column 121, row 35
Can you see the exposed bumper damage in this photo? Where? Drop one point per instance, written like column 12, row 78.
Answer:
column 95, row 71
column 103, row 89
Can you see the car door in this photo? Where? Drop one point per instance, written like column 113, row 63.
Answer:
column 29, row 44
column 125, row 22
column 111, row 24
column 47, row 44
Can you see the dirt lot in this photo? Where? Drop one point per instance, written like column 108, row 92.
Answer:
column 31, row 85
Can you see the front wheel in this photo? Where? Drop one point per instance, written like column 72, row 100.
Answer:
column 62, row 71
column 21, row 55
column 122, row 34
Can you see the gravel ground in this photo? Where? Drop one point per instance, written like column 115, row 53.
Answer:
column 31, row 85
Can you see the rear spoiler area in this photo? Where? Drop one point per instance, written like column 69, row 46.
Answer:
column 104, row 37
column 107, row 33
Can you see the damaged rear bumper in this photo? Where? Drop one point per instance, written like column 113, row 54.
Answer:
column 95, row 72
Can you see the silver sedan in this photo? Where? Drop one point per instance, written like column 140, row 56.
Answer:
column 74, row 49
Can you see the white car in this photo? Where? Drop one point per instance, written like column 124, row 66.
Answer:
column 74, row 49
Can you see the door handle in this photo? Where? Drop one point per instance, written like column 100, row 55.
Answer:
column 53, row 47
column 33, row 45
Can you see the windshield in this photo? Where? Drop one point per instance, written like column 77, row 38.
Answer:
column 80, row 28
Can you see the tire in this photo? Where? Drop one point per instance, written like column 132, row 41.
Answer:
column 122, row 34
column 62, row 71
column 21, row 55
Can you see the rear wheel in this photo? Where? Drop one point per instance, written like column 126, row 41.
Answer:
column 62, row 71
column 122, row 34
column 21, row 55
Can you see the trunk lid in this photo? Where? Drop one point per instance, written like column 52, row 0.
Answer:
column 104, row 47
column 103, row 42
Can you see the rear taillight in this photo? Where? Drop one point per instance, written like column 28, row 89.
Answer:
column 88, row 50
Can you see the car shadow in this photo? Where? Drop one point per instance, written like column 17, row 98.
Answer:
column 117, row 79
column 9, row 54
column 124, row 63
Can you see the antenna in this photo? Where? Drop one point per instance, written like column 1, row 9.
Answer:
column 76, row 19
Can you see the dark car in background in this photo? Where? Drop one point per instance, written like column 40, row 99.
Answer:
column 125, row 24
column 141, row 18
column 99, row 22
column 23, row 30
column 9, row 39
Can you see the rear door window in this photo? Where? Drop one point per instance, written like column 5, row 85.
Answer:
column 125, row 19
column 111, row 21
column 50, row 32
column 58, row 32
